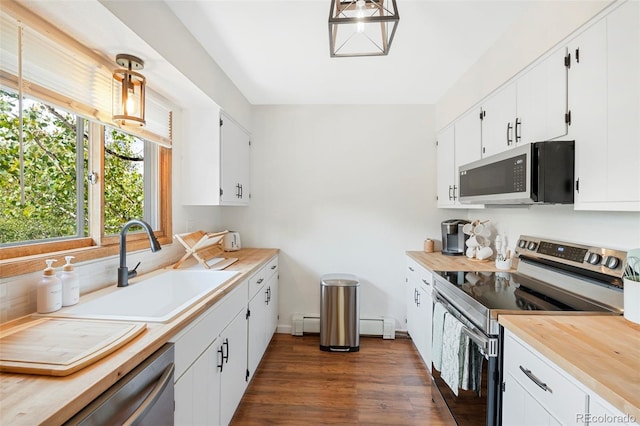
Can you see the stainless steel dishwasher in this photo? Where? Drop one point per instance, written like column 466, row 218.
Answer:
column 143, row 397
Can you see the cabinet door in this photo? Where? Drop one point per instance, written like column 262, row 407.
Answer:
column 446, row 167
column 235, row 162
column 519, row 408
column 468, row 144
column 542, row 100
column 588, row 105
column 623, row 102
column 425, row 313
column 498, row 121
column 197, row 392
column 257, row 326
column 272, row 307
column 233, row 380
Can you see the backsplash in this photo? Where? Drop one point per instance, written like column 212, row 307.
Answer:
column 18, row 293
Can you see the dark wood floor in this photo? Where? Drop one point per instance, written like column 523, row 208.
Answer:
column 384, row 383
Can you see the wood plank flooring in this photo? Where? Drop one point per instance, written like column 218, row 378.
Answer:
column 385, row 383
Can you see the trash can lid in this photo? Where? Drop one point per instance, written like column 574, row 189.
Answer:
column 340, row 280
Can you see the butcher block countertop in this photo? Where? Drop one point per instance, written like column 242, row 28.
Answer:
column 27, row 399
column 437, row 261
column 601, row 352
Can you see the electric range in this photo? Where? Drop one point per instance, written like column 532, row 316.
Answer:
column 552, row 277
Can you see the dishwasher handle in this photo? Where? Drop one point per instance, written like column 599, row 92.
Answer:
column 152, row 398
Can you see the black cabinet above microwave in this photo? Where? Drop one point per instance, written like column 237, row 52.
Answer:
column 534, row 173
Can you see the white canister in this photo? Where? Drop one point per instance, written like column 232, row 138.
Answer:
column 632, row 300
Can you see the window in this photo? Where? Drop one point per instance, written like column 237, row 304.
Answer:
column 131, row 176
column 42, row 194
column 74, row 177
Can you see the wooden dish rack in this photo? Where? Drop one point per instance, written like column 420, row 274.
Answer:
column 206, row 247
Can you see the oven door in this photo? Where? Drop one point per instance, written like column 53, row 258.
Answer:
column 478, row 404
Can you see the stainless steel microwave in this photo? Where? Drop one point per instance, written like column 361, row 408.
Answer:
column 534, row 173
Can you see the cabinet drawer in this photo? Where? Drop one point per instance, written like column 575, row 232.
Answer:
column 257, row 281
column 544, row 381
column 196, row 338
column 272, row 267
column 425, row 278
column 413, row 270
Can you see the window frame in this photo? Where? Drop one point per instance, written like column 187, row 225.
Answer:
column 24, row 258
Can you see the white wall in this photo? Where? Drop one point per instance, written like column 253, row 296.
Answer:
column 340, row 189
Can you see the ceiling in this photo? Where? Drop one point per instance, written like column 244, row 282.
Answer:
column 277, row 51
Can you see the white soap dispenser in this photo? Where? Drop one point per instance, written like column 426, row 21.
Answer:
column 49, row 293
column 70, row 284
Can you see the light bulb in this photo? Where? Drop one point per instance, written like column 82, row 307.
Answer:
column 130, row 104
column 360, row 15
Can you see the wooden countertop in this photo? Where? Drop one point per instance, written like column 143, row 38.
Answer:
column 436, row 261
column 31, row 399
column 601, row 352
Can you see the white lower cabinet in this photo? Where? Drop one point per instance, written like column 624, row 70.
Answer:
column 211, row 362
column 263, row 312
column 538, row 392
column 419, row 308
column 232, row 366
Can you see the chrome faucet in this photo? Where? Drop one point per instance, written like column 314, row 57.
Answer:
column 123, row 272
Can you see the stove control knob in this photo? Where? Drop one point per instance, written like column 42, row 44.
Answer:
column 532, row 245
column 522, row 243
column 611, row 262
column 594, row 258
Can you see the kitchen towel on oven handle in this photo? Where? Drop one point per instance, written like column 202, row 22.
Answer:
column 439, row 312
column 454, row 353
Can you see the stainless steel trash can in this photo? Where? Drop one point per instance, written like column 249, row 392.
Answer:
column 339, row 313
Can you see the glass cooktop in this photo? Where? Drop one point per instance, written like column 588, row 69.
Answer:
column 516, row 292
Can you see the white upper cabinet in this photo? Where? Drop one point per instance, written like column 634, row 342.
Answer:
column 446, row 167
column 604, row 97
column 542, row 101
column 530, row 109
column 458, row 144
column 234, row 173
column 498, row 121
column 588, row 105
column 215, row 160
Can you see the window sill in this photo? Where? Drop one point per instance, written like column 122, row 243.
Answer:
column 27, row 264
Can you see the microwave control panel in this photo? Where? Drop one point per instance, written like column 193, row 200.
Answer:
column 520, row 173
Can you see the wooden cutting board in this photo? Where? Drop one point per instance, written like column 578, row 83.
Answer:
column 59, row 347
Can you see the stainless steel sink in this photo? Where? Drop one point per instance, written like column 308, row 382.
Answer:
column 159, row 298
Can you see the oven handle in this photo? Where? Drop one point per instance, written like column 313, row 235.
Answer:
column 488, row 345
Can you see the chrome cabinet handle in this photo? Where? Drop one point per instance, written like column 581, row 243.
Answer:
column 535, row 380
column 455, row 188
column 518, row 126
column 509, row 127
column 273, row 267
column 411, row 269
column 156, row 393
column 260, row 281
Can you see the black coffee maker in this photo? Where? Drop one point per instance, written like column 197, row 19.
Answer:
column 453, row 238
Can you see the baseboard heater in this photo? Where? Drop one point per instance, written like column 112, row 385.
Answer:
column 384, row 327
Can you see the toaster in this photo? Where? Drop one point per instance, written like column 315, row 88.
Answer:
column 232, row 241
